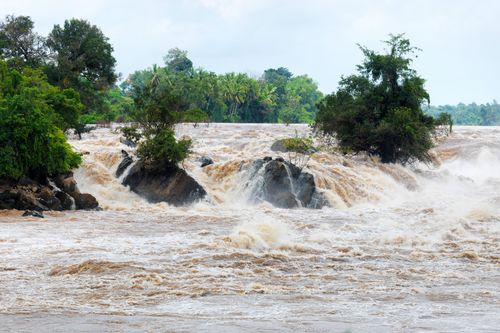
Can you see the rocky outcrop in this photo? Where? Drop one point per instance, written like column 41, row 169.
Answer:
column 124, row 164
column 56, row 193
column 170, row 184
column 283, row 184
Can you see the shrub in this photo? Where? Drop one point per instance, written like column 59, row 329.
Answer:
column 163, row 148
column 299, row 150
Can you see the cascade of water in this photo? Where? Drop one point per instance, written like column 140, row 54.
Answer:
column 292, row 184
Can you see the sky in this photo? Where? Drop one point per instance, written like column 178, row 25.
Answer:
column 460, row 57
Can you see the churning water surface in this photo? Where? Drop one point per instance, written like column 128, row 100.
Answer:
column 401, row 249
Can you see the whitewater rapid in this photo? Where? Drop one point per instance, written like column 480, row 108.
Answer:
column 403, row 249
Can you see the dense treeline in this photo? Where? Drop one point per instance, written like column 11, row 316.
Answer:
column 471, row 114
column 277, row 96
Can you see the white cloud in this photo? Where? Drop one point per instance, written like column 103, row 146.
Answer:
column 233, row 9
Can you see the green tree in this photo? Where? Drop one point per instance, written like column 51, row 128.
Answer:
column 177, row 60
column 302, row 96
column 31, row 143
column 83, row 60
column 379, row 109
column 159, row 106
column 19, row 44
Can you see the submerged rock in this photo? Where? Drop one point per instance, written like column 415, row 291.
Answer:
column 33, row 213
column 170, row 184
column 124, row 164
column 205, row 160
column 283, row 184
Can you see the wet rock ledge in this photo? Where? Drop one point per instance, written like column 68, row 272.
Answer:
column 54, row 193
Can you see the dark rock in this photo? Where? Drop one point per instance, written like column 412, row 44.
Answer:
column 278, row 185
column 279, row 146
column 305, row 187
column 127, row 142
column 124, row 164
column 267, row 159
column 170, row 184
column 25, row 181
column 66, row 182
column 36, row 196
column 205, row 160
column 33, row 213
column 67, row 202
column 280, row 159
column 47, row 197
column 283, row 184
column 21, row 198
column 85, row 201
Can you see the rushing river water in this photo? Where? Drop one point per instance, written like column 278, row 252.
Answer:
column 400, row 250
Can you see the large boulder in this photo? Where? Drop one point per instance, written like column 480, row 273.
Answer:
column 282, row 184
column 85, row 201
column 67, row 201
column 170, row 184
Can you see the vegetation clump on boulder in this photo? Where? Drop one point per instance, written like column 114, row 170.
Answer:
column 379, row 110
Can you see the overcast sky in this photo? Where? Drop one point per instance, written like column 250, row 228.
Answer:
column 460, row 38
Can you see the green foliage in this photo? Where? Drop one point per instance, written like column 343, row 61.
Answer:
column 131, row 133
column 19, row 45
column 303, row 145
column 176, row 60
column 301, row 97
column 162, row 148
column 299, row 150
column 231, row 97
column 404, row 134
column 444, row 123
column 83, row 60
column 472, row 114
column 159, row 106
column 379, row 109
column 31, row 143
column 195, row 116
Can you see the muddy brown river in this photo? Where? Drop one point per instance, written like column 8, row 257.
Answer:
column 401, row 249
